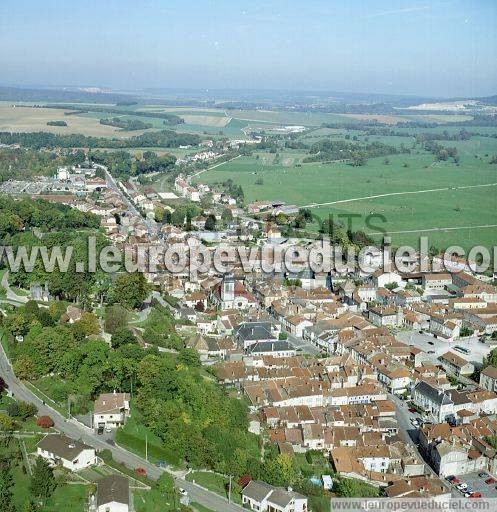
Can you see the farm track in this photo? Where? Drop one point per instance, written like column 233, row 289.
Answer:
column 455, row 228
column 412, row 192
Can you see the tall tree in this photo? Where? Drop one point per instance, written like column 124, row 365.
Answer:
column 6, row 485
column 43, row 482
column 130, row 290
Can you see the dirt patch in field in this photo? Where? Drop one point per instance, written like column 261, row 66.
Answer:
column 217, row 121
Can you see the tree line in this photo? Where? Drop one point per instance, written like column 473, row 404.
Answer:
column 39, row 140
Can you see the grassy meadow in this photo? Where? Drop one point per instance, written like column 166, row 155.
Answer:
column 453, row 206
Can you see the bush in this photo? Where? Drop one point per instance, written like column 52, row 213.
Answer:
column 45, row 422
column 21, row 410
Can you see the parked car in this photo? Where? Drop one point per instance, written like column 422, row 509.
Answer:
column 183, row 492
column 450, row 478
column 108, row 430
column 490, row 481
column 462, row 486
column 100, row 431
column 411, row 409
column 141, row 471
column 455, row 481
column 161, row 464
column 483, row 475
column 431, row 343
column 476, row 495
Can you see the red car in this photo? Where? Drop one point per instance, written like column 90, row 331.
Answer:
column 455, row 481
column 411, row 409
column 476, row 495
column 141, row 471
column 490, row 481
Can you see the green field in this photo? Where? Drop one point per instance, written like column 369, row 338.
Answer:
column 451, row 207
column 215, row 483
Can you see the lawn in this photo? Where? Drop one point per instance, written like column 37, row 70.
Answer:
column 50, row 390
column 153, row 501
column 67, row 498
column 133, row 435
column 215, row 483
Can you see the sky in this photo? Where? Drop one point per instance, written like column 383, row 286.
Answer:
column 412, row 47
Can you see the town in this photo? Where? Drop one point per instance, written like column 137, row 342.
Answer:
column 388, row 377
column 247, row 256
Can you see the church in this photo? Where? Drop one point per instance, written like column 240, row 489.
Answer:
column 231, row 294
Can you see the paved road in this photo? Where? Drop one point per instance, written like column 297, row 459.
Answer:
column 189, row 178
column 11, row 294
column 76, row 430
column 111, row 182
column 407, row 430
column 303, row 345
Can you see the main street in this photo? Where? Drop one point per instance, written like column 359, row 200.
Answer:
column 112, row 183
column 72, row 428
column 408, row 432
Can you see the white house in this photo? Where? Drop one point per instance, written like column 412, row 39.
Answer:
column 113, row 494
column 263, row 497
column 111, row 410
column 488, row 378
column 382, row 279
column 71, row 454
column 456, row 364
column 432, row 400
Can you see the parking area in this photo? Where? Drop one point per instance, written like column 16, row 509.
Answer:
column 428, row 343
column 477, row 484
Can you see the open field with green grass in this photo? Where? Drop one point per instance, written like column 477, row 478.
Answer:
column 425, row 194
column 215, row 483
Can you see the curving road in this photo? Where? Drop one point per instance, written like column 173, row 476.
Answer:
column 76, row 430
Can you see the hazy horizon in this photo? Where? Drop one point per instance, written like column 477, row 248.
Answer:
column 424, row 49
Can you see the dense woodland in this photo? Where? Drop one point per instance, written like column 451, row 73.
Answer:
column 123, row 164
column 25, row 163
column 127, row 125
column 38, row 140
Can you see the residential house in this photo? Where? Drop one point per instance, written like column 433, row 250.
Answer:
column 262, row 497
column 432, row 400
column 456, row 364
column 488, row 378
column 113, row 494
column 111, row 410
column 72, row 454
